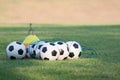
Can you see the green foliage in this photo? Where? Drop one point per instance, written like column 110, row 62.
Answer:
column 105, row 40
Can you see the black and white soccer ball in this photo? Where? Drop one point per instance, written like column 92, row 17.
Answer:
column 62, row 46
column 30, row 49
column 36, row 49
column 74, row 49
column 49, row 52
column 15, row 50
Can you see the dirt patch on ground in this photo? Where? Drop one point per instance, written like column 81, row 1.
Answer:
column 60, row 11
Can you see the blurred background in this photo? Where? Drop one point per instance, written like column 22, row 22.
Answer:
column 60, row 11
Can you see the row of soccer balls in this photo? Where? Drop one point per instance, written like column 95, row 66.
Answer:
column 44, row 50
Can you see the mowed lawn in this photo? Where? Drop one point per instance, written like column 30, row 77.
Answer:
column 104, row 65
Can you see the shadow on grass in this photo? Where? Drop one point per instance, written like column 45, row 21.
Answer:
column 16, row 69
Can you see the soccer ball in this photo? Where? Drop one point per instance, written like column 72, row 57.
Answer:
column 36, row 49
column 15, row 50
column 62, row 49
column 30, row 49
column 74, row 49
column 49, row 51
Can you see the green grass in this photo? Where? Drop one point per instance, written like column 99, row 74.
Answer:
column 105, row 40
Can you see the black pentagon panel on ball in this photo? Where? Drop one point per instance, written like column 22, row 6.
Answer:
column 45, row 41
column 44, row 49
column 71, row 54
column 20, row 52
column 12, row 57
column 18, row 43
column 11, row 48
column 80, row 54
column 34, row 54
column 46, row 58
column 61, row 52
column 60, row 43
column 33, row 45
column 40, row 46
column 52, row 44
column 54, row 53
column 65, row 58
column 75, row 45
